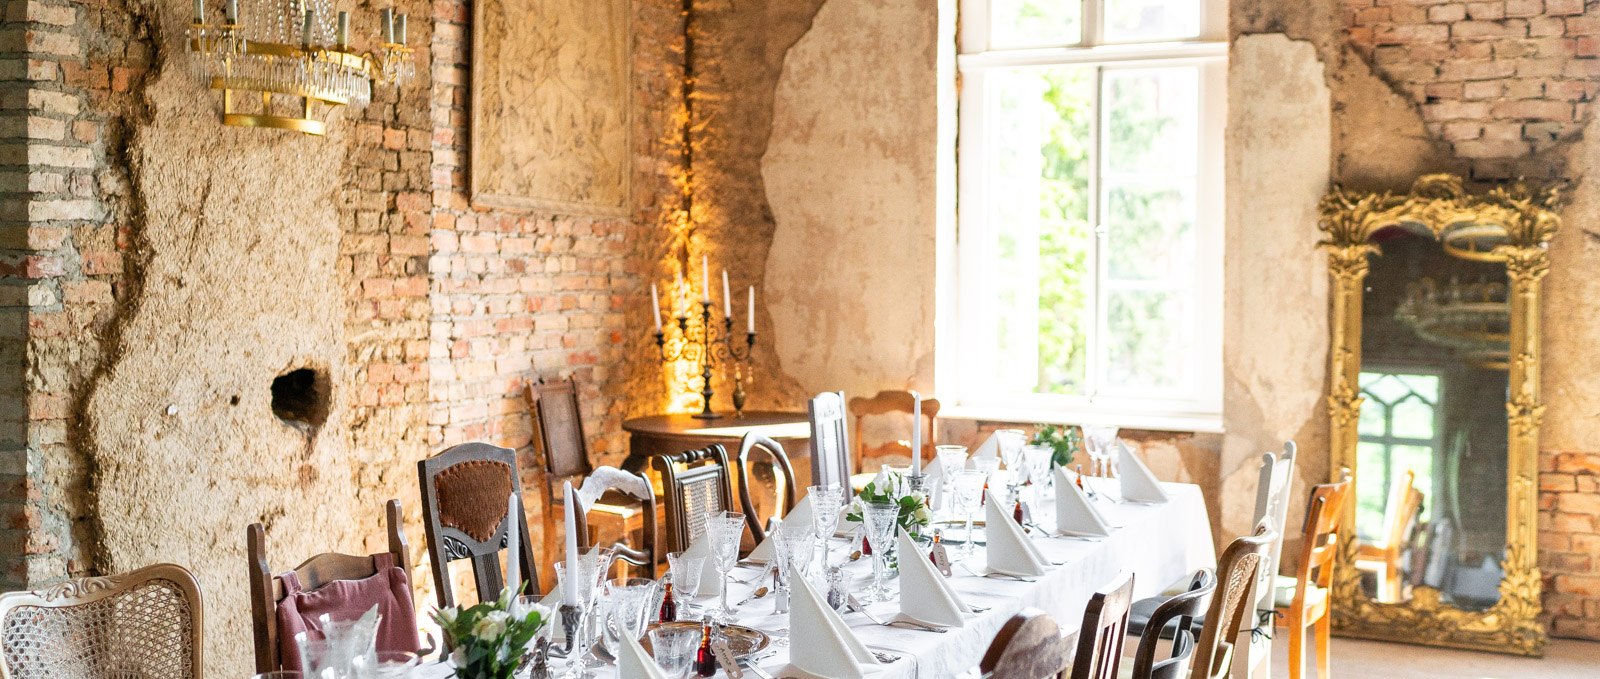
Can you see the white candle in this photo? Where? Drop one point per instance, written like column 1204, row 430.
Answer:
column 727, row 299
column 386, row 19
column 400, row 29
column 513, row 545
column 305, row 30
column 750, row 316
column 655, row 305
column 916, row 434
column 569, row 589
column 344, row 29
column 705, row 277
column 199, row 11
column 231, row 11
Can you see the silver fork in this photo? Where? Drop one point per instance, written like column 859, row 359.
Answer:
column 856, row 606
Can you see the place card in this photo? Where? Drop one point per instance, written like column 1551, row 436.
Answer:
column 726, row 659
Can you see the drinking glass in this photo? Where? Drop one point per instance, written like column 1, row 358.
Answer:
column 348, row 648
column 1036, row 458
column 969, row 499
column 1011, row 442
column 627, row 602
column 685, row 571
column 674, row 647
column 725, row 529
column 952, row 459
column 1099, row 440
column 792, row 547
column 592, row 568
column 825, row 502
column 880, row 519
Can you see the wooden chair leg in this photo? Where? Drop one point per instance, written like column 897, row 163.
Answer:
column 1297, row 639
column 1324, row 627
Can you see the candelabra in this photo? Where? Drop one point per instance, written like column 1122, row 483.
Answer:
column 707, row 346
column 293, row 48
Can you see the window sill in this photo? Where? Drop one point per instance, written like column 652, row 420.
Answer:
column 1174, row 422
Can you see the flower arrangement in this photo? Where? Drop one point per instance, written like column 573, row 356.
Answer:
column 1064, row 440
column 891, row 487
column 491, row 639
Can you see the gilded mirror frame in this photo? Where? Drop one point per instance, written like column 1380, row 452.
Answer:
column 1441, row 204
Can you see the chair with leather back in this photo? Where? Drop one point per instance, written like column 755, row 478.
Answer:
column 464, row 512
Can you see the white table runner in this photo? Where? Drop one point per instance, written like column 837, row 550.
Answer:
column 1159, row 544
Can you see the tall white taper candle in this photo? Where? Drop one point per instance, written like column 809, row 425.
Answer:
column 199, row 11
column 230, row 11
column 386, row 20
column 513, row 545
column 344, row 29
column 727, row 299
column 705, row 277
column 655, row 305
column 916, row 433
column 750, row 315
column 569, row 589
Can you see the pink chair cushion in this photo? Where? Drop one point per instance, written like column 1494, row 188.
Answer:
column 389, row 589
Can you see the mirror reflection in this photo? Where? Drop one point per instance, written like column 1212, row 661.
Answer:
column 1431, row 458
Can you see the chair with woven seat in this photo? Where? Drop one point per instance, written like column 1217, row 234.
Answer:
column 558, row 425
column 381, row 579
column 1314, row 576
column 694, row 485
column 641, row 551
column 144, row 623
column 1028, row 646
column 1232, row 608
column 464, row 502
column 1384, row 557
column 830, row 441
column 783, row 479
column 892, row 403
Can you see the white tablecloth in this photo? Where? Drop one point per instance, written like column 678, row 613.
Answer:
column 1159, row 544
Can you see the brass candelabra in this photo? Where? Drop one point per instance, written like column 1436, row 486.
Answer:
column 707, row 346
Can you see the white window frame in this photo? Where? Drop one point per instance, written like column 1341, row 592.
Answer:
column 1208, row 51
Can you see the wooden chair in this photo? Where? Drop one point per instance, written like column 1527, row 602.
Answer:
column 695, row 485
column 830, row 441
column 889, row 403
column 1232, row 607
column 464, row 491
column 1384, row 558
column 1178, row 613
column 1104, row 631
column 642, row 554
column 558, row 424
column 143, row 623
column 1028, row 646
column 1314, row 576
column 267, row 590
column 784, row 477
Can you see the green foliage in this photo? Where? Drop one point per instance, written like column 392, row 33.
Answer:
column 914, row 511
column 1063, row 441
column 491, row 638
column 1065, row 238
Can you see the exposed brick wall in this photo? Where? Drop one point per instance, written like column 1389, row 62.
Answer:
column 1569, row 541
column 1502, row 81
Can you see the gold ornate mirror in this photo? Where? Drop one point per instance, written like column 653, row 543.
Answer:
column 1434, row 397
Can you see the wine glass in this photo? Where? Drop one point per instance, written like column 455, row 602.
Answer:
column 825, row 501
column 792, row 549
column 951, row 460
column 627, row 600
column 685, row 571
column 1010, row 442
column 969, row 498
column 1098, row 439
column 725, row 529
column 880, row 519
column 585, row 587
column 1036, row 458
column 673, row 648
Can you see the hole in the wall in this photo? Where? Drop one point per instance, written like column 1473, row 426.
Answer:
column 300, row 397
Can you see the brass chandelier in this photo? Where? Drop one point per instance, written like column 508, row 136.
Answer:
column 1472, row 318
column 296, row 49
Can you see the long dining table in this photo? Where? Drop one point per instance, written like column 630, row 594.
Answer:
column 1158, row 543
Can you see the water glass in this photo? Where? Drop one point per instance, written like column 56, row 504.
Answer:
column 725, row 529
column 1011, row 442
column 1036, row 458
column 969, row 499
column 674, row 647
column 792, row 547
column 825, row 502
column 951, row 459
column 880, row 519
column 347, row 648
column 685, row 571
column 1099, row 440
column 627, row 605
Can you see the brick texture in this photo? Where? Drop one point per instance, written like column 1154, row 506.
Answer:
column 1569, row 542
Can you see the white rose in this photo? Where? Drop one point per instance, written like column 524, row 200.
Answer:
column 491, row 626
column 447, row 616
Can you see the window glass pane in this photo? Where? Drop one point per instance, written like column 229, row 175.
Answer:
column 1413, row 418
column 1372, row 489
column 1374, row 418
column 1152, row 120
column 1146, row 20
column 1147, row 339
column 1038, row 211
column 1034, row 23
column 1150, row 231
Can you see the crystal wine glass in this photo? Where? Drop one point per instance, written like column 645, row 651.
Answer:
column 825, row 501
column 792, row 547
column 969, row 498
column 725, row 529
column 880, row 519
column 592, row 568
column 685, row 571
column 1011, row 442
column 627, row 602
column 951, row 460
column 1036, row 458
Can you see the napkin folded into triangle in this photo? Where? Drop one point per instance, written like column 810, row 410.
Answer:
column 633, row 662
column 1138, row 484
column 990, row 448
column 925, row 596
column 1009, row 549
column 710, row 578
column 933, row 484
column 1075, row 515
column 799, row 516
column 830, row 648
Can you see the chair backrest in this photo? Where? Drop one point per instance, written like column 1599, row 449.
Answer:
column 267, row 590
column 1319, row 548
column 1028, row 646
column 643, row 554
column 1398, row 511
column 1272, row 505
column 559, row 421
column 1105, row 627
column 783, row 476
column 830, row 441
column 695, row 485
column 1180, row 610
column 887, row 403
column 464, row 491
column 1231, row 609
column 144, row 623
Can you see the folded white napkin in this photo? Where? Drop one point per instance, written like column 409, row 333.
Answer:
column 1138, row 484
column 1009, row 549
column 1075, row 515
column 799, row 516
column 634, row 662
column 924, row 594
column 830, row 648
column 933, row 485
column 603, row 479
column 990, row 448
column 846, row 526
column 710, row 578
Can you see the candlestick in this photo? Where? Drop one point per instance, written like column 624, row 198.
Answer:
column 386, row 20
column 916, row 434
column 569, row 589
column 655, row 305
column 513, row 543
column 727, row 299
column 707, row 343
column 705, row 278
column 400, row 30
column 750, row 314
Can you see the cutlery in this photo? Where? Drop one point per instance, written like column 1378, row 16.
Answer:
column 856, row 606
column 997, row 574
column 753, row 595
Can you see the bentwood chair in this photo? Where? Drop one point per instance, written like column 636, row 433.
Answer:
column 783, row 478
column 1104, row 631
column 267, row 591
column 830, row 441
column 1383, row 557
column 892, row 403
column 1028, row 646
column 642, row 553
column 464, row 492
column 144, row 623
column 694, row 485
column 1232, row 606
column 1178, row 614
column 1314, row 576
column 558, row 424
